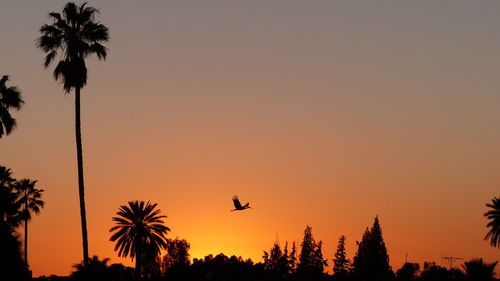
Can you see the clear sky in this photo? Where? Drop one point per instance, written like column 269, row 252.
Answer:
column 324, row 113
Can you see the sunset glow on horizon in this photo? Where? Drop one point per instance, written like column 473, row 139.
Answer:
column 324, row 113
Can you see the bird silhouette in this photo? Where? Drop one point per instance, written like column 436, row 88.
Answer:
column 238, row 206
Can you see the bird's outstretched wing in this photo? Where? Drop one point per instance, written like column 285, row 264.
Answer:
column 236, row 201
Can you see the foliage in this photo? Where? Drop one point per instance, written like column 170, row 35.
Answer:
column 223, row 268
column 371, row 261
column 493, row 215
column 140, row 232
column 13, row 203
column 9, row 203
column 30, row 201
column 95, row 269
column 280, row 264
column 341, row 264
column 433, row 272
column 74, row 35
column 176, row 261
column 10, row 98
column 408, row 272
column 12, row 266
column 98, row 270
column 30, row 198
column 478, row 270
column 311, row 262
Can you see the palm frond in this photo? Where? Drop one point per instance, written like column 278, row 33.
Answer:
column 8, row 122
column 493, row 215
column 74, row 35
column 70, row 12
column 11, row 98
column 55, row 16
column 139, row 226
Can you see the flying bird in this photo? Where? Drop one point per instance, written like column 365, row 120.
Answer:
column 238, row 206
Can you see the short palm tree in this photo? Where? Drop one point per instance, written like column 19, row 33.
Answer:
column 10, row 98
column 73, row 36
column 95, row 270
column 493, row 215
column 477, row 269
column 139, row 232
column 30, row 200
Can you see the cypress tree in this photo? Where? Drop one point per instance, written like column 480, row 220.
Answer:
column 371, row 262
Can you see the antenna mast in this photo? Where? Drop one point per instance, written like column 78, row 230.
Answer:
column 451, row 259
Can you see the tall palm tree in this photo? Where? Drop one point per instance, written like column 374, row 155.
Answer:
column 10, row 98
column 494, row 224
column 139, row 232
column 30, row 199
column 74, row 35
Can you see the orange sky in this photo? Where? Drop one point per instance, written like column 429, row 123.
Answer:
column 323, row 114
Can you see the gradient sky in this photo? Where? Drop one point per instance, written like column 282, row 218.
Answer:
column 324, row 113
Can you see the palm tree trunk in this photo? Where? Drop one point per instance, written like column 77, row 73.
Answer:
column 138, row 265
column 26, row 242
column 81, row 189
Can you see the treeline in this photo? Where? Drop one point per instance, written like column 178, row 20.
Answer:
column 288, row 262
column 19, row 199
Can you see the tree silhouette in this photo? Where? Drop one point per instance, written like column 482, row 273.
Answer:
column 278, row 263
column 408, row 272
column 6, row 176
column 493, row 215
column 9, row 204
column 176, row 261
column 74, row 35
column 223, row 268
column 10, row 98
column 12, row 266
column 99, row 270
column 371, row 261
column 311, row 262
column 30, row 200
column 95, row 269
column 139, row 232
column 293, row 258
column 478, row 270
column 11, row 263
column 177, row 254
column 433, row 272
column 341, row 264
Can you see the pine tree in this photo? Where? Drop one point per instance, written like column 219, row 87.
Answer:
column 311, row 262
column 307, row 249
column 284, row 262
column 319, row 262
column 293, row 258
column 278, row 263
column 341, row 264
column 371, row 261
